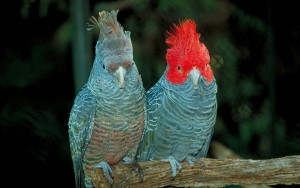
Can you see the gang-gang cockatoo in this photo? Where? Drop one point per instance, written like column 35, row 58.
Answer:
column 182, row 105
column 107, row 118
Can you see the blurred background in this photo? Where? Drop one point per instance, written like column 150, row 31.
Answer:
column 46, row 55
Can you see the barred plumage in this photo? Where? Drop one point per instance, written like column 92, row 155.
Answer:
column 182, row 105
column 180, row 120
column 107, row 118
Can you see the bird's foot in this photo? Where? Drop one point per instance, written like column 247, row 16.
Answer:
column 135, row 166
column 108, row 173
column 126, row 160
column 191, row 160
column 174, row 165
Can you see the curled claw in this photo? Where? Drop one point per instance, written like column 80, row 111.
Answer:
column 108, row 173
column 174, row 165
column 138, row 170
column 191, row 160
column 135, row 166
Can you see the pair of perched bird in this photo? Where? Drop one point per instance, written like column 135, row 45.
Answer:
column 114, row 120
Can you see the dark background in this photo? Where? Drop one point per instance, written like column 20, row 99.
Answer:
column 255, row 54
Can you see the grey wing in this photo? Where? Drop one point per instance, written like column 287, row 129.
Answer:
column 154, row 99
column 211, row 112
column 80, row 129
column 204, row 149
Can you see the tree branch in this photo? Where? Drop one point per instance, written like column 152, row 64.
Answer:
column 218, row 173
column 219, row 151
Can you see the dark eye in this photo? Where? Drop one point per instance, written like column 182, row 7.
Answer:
column 103, row 66
column 178, row 67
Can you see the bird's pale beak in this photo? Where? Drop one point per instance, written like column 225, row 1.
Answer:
column 120, row 74
column 194, row 75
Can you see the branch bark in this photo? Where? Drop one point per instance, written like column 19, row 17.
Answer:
column 220, row 151
column 218, row 173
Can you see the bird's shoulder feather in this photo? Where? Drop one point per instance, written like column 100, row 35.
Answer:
column 80, row 128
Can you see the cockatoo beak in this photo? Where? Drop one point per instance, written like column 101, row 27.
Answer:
column 120, row 74
column 194, row 75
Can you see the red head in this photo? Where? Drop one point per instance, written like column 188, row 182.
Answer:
column 186, row 53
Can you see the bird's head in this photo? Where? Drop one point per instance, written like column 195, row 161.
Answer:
column 114, row 48
column 187, row 57
column 118, row 58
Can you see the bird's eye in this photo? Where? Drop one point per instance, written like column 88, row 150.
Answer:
column 103, row 66
column 178, row 67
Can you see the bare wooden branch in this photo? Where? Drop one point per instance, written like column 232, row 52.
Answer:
column 219, row 151
column 218, row 173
